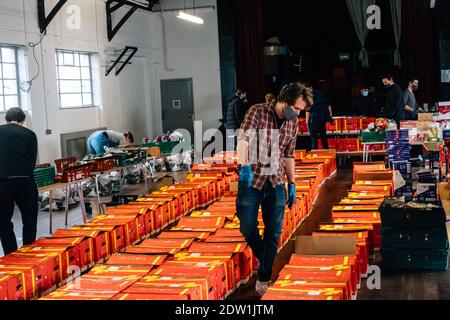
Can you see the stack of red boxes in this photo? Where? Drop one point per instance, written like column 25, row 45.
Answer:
column 204, row 256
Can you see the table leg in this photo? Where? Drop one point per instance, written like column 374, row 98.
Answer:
column 82, row 204
column 66, row 207
column 50, row 210
column 97, row 189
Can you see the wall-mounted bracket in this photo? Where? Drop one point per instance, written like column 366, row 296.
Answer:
column 44, row 20
column 127, row 54
column 114, row 5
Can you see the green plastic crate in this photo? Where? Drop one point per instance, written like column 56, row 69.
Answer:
column 45, row 176
column 415, row 238
column 373, row 136
column 165, row 147
column 415, row 259
column 428, row 218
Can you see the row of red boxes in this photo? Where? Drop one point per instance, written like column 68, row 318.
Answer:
column 350, row 145
column 336, row 276
column 50, row 262
column 341, row 125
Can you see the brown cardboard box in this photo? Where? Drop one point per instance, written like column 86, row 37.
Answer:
column 425, row 116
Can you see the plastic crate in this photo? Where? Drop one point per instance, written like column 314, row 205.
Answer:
column 67, row 171
column 415, row 259
column 102, row 165
column 166, row 147
column 373, row 136
column 415, row 238
column 44, row 175
column 130, row 158
column 401, row 217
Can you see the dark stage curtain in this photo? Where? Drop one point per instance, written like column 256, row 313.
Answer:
column 420, row 47
column 250, row 48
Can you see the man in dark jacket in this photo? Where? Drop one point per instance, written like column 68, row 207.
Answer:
column 236, row 110
column 18, row 154
column 317, row 117
column 394, row 100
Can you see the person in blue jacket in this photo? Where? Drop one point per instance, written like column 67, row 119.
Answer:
column 97, row 142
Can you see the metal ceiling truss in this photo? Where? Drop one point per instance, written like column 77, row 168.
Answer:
column 44, row 20
column 113, row 5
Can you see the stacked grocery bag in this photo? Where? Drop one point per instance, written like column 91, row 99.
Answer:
column 414, row 236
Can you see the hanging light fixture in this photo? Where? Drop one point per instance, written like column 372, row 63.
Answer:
column 189, row 17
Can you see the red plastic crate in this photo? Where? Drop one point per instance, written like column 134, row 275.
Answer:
column 351, row 125
column 66, row 171
column 336, row 126
column 348, row 144
column 302, row 126
column 365, row 122
column 102, row 165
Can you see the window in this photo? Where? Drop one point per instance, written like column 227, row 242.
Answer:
column 75, row 79
column 9, row 78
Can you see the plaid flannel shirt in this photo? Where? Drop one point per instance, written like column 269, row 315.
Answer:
column 268, row 145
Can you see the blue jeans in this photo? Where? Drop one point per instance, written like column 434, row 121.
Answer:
column 97, row 142
column 273, row 203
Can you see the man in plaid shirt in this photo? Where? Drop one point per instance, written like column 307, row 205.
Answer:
column 266, row 145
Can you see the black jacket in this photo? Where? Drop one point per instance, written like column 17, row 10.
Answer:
column 18, row 151
column 394, row 101
column 235, row 113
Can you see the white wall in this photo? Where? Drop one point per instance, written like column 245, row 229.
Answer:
column 132, row 100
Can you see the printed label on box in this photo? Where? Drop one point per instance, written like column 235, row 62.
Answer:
column 399, row 182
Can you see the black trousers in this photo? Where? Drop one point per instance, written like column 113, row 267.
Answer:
column 316, row 132
column 23, row 193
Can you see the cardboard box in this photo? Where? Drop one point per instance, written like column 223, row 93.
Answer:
column 200, row 236
column 334, row 293
column 280, row 296
column 218, row 268
column 47, row 268
column 162, row 216
column 209, row 224
column 426, row 117
column 331, row 249
column 313, row 285
column 152, row 251
column 11, row 286
column 130, row 271
column 68, row 256
column 194, row 272
column 181, row 244
column 113, row 285
column 134, row 226
column 31, row 280
column 116, row 235
column 100, row 241
column 164, row 284
column 124, row 259
column 185, row 294
column 154, row 218
column 84, row 245
column 232, row 262
column 78, row 296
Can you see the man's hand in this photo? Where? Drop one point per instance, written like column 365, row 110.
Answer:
column 246, row 176
column 292, row 195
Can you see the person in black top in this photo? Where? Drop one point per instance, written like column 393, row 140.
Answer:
column 394, row 100
column 18, row 154
column 317, row 118
column 365, row 104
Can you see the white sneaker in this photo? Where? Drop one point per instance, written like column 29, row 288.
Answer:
column 262, row 287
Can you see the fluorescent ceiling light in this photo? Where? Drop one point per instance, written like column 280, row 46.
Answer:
column 190, row 18
column 432, row 4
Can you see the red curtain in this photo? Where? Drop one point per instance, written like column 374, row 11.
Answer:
column 420, row 47
column 249, row 40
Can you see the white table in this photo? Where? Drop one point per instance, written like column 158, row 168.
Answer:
column 366, row 149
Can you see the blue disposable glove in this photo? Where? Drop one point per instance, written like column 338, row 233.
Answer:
column 246, row 176
column 292, row 195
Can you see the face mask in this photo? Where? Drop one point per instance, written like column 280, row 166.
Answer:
column 365, row 93
column 290, row 114
column 415, row 87
column 387, row 86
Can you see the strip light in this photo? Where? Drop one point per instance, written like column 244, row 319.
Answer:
column 188, row 17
